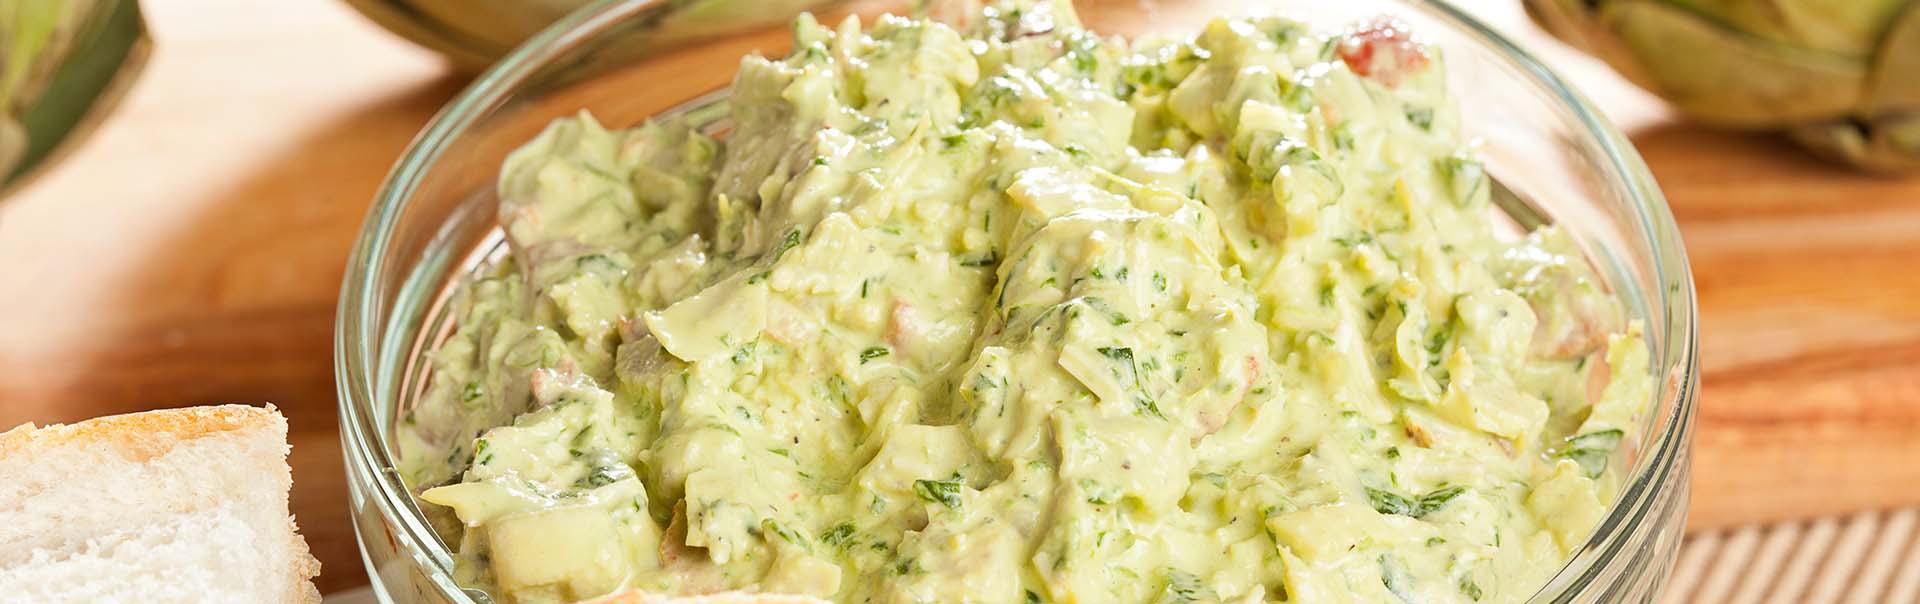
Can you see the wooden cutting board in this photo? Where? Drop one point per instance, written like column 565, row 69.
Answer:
column 191, row 253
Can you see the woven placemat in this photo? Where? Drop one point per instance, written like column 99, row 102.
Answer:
column 1869, row 558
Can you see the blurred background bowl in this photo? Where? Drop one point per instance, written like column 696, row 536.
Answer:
column 475, row 33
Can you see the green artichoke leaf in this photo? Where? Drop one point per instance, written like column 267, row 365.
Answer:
column 1730, row 78
column 1569, row 20
column 1850, row 28
column 1896, row 71
column 1888, row 144
column 29, row 48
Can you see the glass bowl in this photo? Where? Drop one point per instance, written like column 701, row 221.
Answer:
column 433, row 222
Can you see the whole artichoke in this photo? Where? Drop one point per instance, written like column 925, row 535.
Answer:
column 1841, row 76
column 63, row 63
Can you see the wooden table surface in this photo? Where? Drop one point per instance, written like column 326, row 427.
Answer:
column 190, row 253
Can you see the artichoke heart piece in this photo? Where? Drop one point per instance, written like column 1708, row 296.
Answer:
column 1894, row 87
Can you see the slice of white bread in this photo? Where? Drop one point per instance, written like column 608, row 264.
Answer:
column 178, row 505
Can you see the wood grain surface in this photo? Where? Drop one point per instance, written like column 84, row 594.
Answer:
column 190, row 253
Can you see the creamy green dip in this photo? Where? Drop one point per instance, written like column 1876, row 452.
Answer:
column 1025, row 314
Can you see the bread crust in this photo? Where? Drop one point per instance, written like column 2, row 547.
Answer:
column 140, row 436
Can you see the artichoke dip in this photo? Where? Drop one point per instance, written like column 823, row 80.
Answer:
column 1019, row 313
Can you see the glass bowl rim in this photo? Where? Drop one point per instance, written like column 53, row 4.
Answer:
column 356, row 333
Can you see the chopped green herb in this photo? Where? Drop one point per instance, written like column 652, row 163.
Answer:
column 944, row 492
column 1342, row 137
column 1388, row 502
column 982, row 383
column 873, row 353
column 1471, row 589
column 1146, row 406
column 906, row 566
column 1183, row 587
column 1593, row 450
column 982, row 260
column 1436, row 499
column 838, row 536
column 1356, row 238
column 838, row 390
column 789, row 535
column 791, row 241
column 1083, row 52
column 1465, row 177
column 1439, row 339
column 1420, row 117
column 1101, row 305
column 602, row 476
column 1126, row 369
column 1296, row 96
